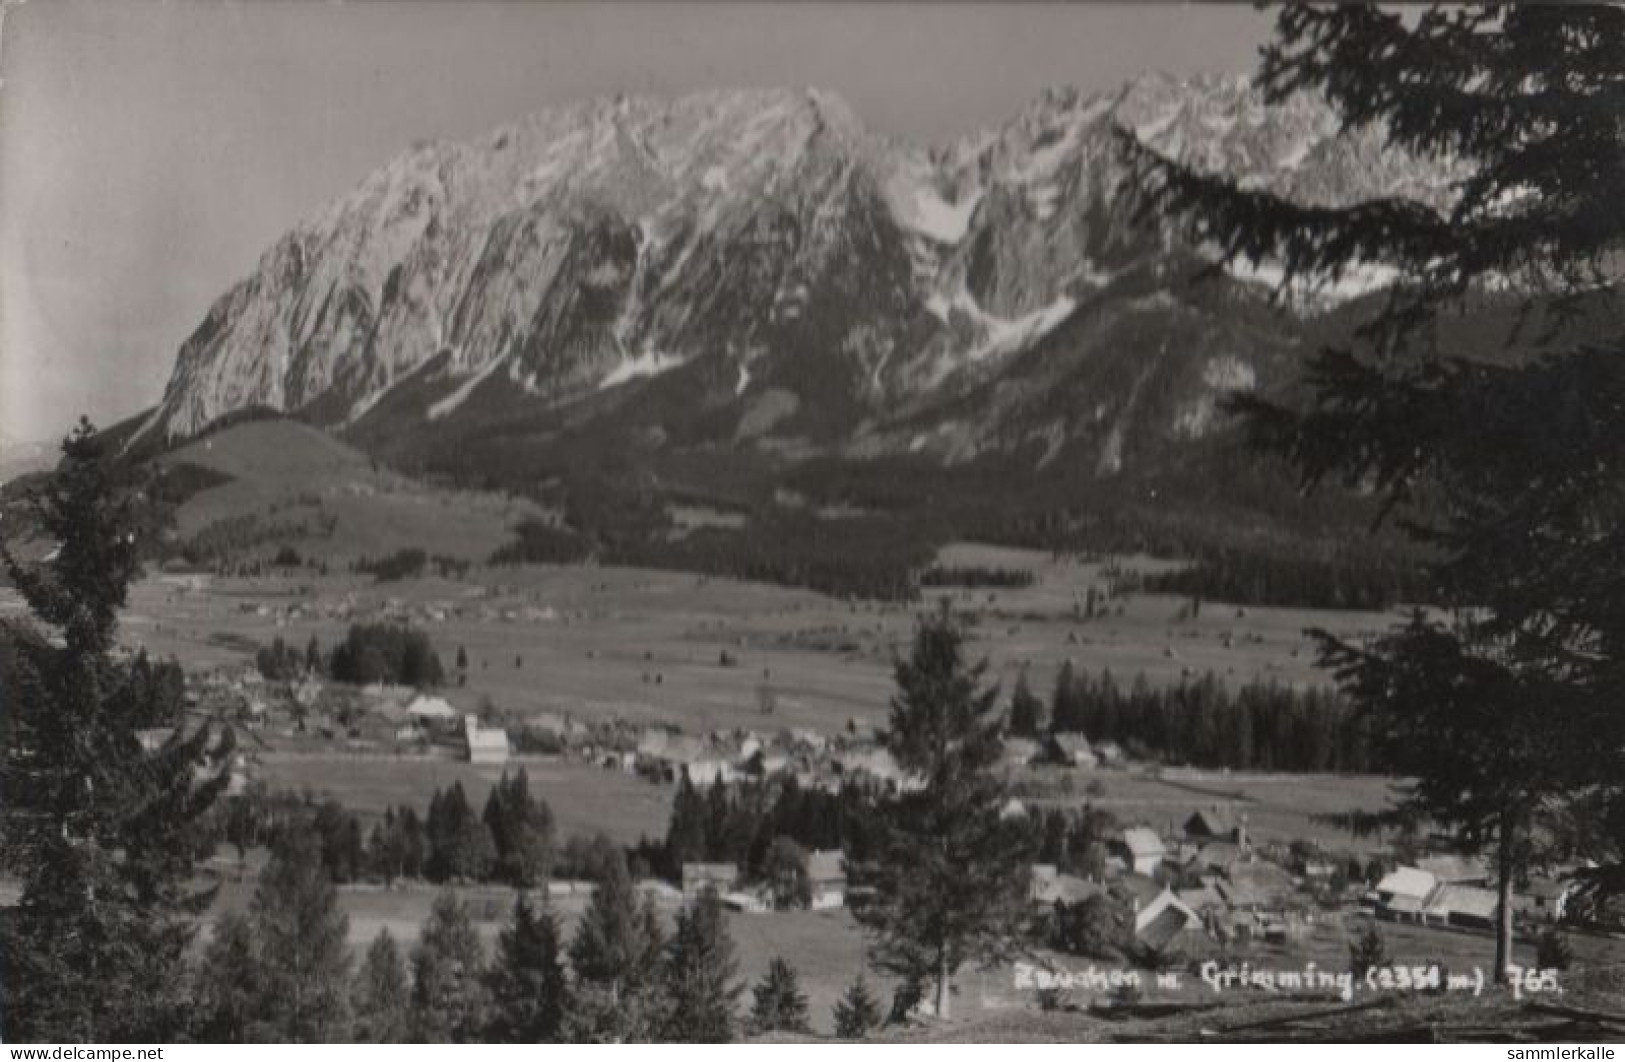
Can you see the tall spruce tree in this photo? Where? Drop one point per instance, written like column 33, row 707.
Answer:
column 778, row 1003
column 227, row 994
column 1498, row 439
column 857, row 1013
column 381, row 998
column 448, row 976
column 1026, row 710
column 701, row 993
column 1066, row 704
column 947, row 880
column 522, row 833
column 616, row 956
column 301, row 935
column 528, row 990
column 100, row 832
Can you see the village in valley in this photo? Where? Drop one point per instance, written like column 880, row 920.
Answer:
column 1143, row 866
column 683, row 523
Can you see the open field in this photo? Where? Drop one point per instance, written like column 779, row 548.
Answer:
column 647, row 645
column 1278, row 807
column 584, row 799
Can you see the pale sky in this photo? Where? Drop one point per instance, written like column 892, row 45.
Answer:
column 150, row 151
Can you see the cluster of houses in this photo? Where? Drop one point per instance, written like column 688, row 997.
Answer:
column 826, row 872
column 1207, row 884
column 1449, row 890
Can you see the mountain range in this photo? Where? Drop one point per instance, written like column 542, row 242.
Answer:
column 717, row 292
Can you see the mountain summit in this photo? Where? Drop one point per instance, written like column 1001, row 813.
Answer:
column 817, row 287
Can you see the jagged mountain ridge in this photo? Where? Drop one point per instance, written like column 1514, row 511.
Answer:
column 806, row 285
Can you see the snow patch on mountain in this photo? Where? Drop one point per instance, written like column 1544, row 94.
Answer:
column 649, row 363
column 459, row 396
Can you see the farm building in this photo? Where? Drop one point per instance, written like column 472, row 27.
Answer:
column 1136, row 891
column 1203, row 899
column 705, row 773
column 1141, row 849
column 1167, row 922
column 1461, row 905
column 1544, row 900
column 484, row 744
column 1208, row 825
column 1217, row 856
column 1256, row 886
column 1071, row 750
column 697, row 877
column 827, row 872
column 1050, row 886
column 1454, row 869
column 429, row 709
column 1402, row 895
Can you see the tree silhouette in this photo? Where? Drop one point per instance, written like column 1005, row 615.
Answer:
column 779, row 1005
column 948, row 880
column 1479, row 399
column 100, row 832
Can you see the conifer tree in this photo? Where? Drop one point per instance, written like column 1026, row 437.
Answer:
column 947, row 881
column 459, row 843
column 302, row 938
column 100, row 833
column 1066, row 707
column 1497, row 445
column 529, row 994
column 521, row 829
column 382, row 995
column 448, row 970
column 1026, row 710
column 701, row 993
column 685, row 836
column 616, row 956
column 228, row 993
column 857, row 1013
column 779, row 1005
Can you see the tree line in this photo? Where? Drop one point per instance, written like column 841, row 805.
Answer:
column 1265, row 726
column 282, row 972
column 393, row 653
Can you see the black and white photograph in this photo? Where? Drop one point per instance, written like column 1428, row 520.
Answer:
column 796, row 521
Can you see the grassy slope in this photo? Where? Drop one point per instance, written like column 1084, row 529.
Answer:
column 285, row 472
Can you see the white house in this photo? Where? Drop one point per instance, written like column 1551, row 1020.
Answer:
column 1142, row 849
column 1403, row 894
column 484, row 744
column 827, row 872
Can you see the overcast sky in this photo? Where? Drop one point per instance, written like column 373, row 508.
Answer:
column 149, row 152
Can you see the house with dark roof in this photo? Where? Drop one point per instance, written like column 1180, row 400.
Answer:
column 1257, row 886
column 1070, row 750
column 1213, row 824
column 1168, row 922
